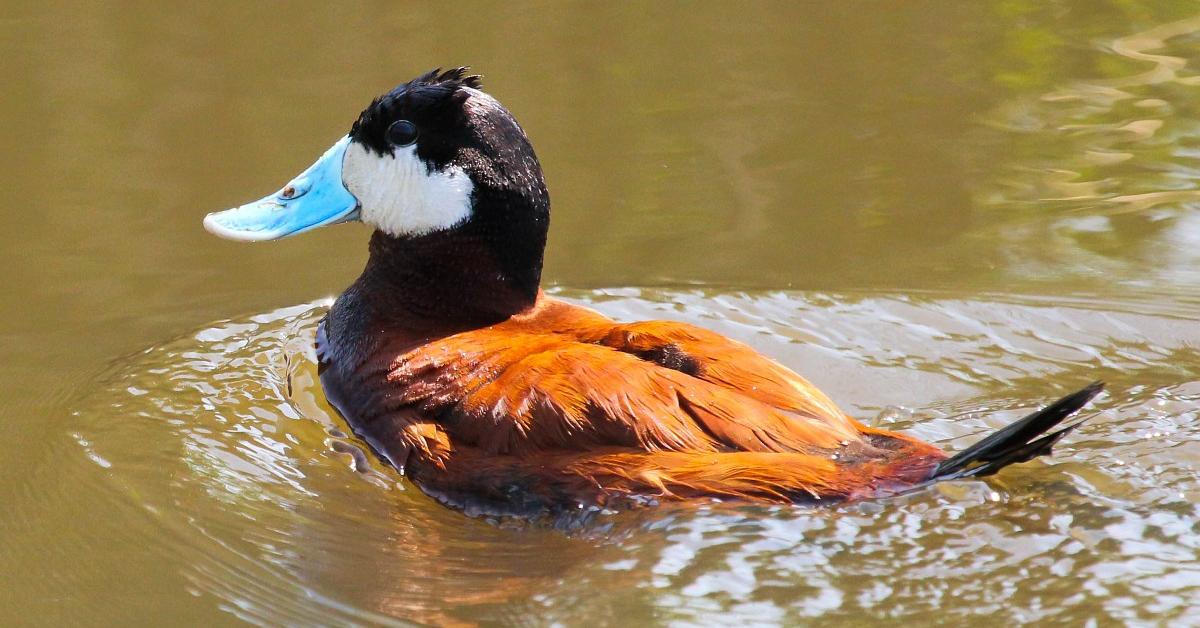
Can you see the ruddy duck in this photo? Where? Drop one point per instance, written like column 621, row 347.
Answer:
column 449, row 360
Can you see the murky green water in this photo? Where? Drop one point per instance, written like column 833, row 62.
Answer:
column 942, row 213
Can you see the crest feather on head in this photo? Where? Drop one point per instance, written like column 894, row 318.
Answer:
column 457, row 77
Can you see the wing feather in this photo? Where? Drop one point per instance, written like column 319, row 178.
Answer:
column 521, row 393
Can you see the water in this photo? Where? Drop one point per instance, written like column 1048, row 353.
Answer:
column 942, row 213
column 221, row 440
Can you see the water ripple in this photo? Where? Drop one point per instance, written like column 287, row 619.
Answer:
column 225, row 445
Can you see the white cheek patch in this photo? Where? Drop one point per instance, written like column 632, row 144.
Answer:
column 400, row 196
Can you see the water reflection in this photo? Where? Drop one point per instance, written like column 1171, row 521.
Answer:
column 1117, row 156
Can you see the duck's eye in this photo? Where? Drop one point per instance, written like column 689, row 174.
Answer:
column 402, row 133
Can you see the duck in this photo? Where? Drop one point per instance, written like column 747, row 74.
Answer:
column 449, row 360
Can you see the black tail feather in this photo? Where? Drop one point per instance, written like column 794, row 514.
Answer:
column 1023, row 440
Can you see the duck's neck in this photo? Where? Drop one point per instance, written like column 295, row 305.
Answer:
column 442, row 283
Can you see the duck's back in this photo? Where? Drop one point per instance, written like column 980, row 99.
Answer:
column 560, row 405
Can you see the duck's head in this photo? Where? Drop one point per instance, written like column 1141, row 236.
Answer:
column 443, row 173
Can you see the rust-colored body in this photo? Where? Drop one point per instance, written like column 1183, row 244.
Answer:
column 561, row 405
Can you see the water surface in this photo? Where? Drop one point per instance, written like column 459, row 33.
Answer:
column 941, row 213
